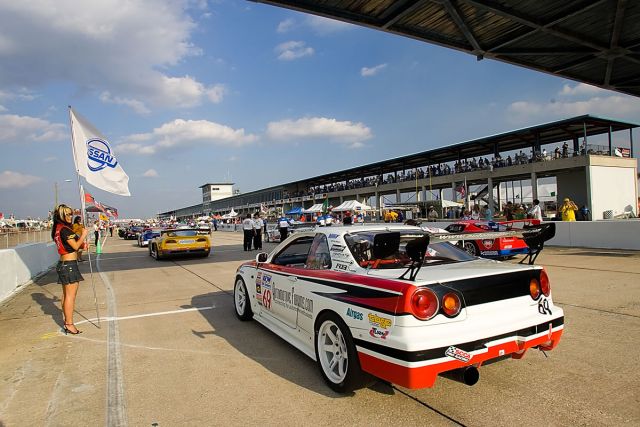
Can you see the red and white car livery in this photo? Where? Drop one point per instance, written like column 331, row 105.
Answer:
column 388, row 301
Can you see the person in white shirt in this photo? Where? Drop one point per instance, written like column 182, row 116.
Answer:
column 249, row 231
column 283, row 226
column 535, row 212
column 257, row 237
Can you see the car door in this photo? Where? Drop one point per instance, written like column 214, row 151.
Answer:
column 279, row 278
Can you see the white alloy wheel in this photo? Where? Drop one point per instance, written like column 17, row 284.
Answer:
column 333, row 355
column 241, row 300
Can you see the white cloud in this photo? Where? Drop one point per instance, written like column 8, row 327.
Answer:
column 352, row 134
column 184, row 133
column 10, row 179
column 368, row 72
column 50, row 159
column 123, row 48
column 3, row 108
column 582, row 89
column 325, row 26
column 134, row 104
column 291, row 50
column 614, row 106
column 151, row 173
column 285, row 26
column 20, row 129
column 23, row 94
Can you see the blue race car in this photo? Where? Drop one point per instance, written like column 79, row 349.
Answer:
column 146, row 235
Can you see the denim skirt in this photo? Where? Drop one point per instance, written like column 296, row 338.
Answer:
column 68, row 272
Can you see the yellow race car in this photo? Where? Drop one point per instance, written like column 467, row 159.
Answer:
column 179, row 242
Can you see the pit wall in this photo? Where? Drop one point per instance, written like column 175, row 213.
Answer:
column 20, row 265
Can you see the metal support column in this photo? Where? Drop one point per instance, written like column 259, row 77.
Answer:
column 490, row 200
column 534, row 185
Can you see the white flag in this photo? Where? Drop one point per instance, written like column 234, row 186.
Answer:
column 95, row 159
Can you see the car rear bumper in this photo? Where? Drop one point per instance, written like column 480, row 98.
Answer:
column 419, row 369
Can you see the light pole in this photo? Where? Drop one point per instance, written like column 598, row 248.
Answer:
column 55, row 187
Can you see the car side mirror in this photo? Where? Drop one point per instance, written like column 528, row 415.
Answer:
column 262, row 257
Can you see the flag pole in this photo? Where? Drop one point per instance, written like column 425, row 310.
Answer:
column 84, row 216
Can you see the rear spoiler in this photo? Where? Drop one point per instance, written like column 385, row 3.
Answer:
column 533, row 235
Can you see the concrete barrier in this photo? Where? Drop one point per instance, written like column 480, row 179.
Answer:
column 20, row 265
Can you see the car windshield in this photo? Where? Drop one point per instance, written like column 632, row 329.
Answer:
column 361, row 246
column 181, row 233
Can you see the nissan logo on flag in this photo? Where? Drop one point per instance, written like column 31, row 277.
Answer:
column 99, row 155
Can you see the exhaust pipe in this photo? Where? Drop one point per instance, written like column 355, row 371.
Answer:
column 468, row 375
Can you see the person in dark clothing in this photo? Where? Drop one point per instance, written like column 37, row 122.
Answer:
column 248, row 230
column 257, row 226
column 347, row 220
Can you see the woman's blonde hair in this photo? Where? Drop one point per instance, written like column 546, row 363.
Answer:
column 59, row 215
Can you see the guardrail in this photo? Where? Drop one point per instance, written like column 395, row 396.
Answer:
column 11, row 239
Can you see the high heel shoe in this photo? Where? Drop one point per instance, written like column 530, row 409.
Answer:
column 69, row 331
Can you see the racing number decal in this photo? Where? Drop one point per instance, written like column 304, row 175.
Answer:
column 543, row 306
column 266, row 299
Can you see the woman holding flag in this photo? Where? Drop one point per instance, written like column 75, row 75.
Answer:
column 67, row 243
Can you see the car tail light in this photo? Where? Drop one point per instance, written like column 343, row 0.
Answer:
column 170, row 241
column 534, row 288
column 545, row 285
column 424, row 304
column 451, row 304
column 201, row 240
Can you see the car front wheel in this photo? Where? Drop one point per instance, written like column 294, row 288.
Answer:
column 336, row 355
column 241, row 300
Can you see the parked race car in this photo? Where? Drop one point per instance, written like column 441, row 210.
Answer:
column 147, row 235
column 179, row 242
column 398, row 303
column 132, row 232
column 501, row 247
column 273, row 232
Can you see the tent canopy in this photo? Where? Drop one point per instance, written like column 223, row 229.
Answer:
column 450, row 204
column 352, row 205
column 294, row 211
column 317, row 208
column 231, row 214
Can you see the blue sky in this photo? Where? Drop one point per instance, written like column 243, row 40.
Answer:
column 190, row 92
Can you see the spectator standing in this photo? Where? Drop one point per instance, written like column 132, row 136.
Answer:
column 535, row 212
column 568, row 210
column 432, row 215
column 508, row 211
column 215, row 224
column 475, row 213
column 347, row 220
column 248, row 230
column 78, row 229
column 283, row 227
column 257, row 237
column 96, row 232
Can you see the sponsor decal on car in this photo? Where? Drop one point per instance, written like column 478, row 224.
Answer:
column 355, row 314
column 488, row 253
column 337, row 248
column 459, row 354
column 292, row 301
column 344, row 267
column 333, row 236
column 487, row 243
column 379, row 321
column 377, row 333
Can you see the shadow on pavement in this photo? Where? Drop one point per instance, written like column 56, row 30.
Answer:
column 259, row 344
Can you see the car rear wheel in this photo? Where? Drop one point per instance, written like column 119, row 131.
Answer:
column 471, row 248
column 154, row 252
column 241, row 300
column 336, row 355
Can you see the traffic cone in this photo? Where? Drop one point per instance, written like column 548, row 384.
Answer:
column 99, row 248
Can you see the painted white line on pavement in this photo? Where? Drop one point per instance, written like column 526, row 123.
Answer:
column 116, row 411
column 138, row 316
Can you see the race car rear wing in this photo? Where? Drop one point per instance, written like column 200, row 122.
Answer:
column 533, row 235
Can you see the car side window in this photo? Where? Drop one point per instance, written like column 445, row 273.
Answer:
column 319, row 257
column 295, row 253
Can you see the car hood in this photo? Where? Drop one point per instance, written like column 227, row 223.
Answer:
column 455, row 271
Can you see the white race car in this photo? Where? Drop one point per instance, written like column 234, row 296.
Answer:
column 386, row 300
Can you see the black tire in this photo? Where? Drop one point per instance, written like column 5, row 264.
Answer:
column 334, row 336
column 471, row 248
column 154, row 253
column 241, row 300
